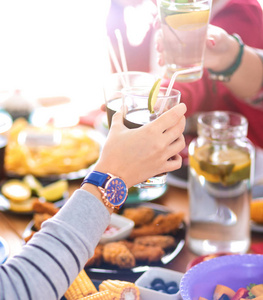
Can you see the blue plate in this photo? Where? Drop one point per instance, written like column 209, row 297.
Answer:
column 4, row 250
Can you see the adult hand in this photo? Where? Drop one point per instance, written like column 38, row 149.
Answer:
column 138, row 154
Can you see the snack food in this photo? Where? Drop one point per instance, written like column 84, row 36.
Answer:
column 74, row 151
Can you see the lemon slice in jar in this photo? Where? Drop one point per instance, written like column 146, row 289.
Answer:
column 153, row 95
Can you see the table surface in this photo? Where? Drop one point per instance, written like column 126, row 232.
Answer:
column 13, row 225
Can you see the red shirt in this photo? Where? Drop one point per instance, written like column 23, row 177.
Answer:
column 244, row 17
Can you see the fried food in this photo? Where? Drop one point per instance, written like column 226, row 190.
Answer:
column 162, row 224
column 74, row 151
column 163, row 241
column 44, row 208
column 118, row 254
column 144, row 253
column 28, row 238
column 39, row 219
column 140, row 215
column 96, row 259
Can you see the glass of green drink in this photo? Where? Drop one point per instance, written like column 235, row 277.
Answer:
column 138, row 110
column 184, row 26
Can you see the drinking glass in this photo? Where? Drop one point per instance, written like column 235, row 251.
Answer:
column 116, row 82
column 184, row 26
column 136, row 114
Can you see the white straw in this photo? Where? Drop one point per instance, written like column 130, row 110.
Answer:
column 181, row 72
column 115, row 61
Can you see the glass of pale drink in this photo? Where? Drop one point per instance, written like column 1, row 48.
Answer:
column 116, row 82
column 138, row 111
column 184, row 26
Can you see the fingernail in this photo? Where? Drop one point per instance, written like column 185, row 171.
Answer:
column 211, row 41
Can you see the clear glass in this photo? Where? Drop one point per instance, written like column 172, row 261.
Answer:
column 221, row 168
column 136, row 114
column 184, row 26
column 116, row 82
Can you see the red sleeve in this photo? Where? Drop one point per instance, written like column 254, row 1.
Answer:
column 244, row 17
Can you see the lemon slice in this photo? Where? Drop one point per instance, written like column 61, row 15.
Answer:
column 54, row 191
column 153, row 95
column 16, row 190
column 33, row 183
column 188, row 21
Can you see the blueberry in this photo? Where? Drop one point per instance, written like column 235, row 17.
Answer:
column 157, row 280
column 172, row 290
column 171, row 283
column 159, row 286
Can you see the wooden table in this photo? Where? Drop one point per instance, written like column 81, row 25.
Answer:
column 13, row 225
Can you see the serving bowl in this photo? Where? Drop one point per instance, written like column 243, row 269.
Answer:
column 145, row 280
column 234, row 271
column 119, row 228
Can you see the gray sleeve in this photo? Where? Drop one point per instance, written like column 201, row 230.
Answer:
column 51, row 260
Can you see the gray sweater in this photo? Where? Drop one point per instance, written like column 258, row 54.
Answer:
column 55, row 255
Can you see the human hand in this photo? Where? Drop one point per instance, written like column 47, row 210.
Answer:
column 220, row 51
column 138, row 154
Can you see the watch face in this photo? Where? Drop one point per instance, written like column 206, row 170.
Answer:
column 116, row 191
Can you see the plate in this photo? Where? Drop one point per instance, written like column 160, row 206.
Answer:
column 140, row 267
column 4, row 250
column 5, row 204
column 78, row 174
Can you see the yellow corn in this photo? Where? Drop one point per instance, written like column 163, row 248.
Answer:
column 104, row 295
column 120, row 289
column 256, row 211
column 82, row 286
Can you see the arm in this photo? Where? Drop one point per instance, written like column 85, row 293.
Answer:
column 221, row 52
column 55, row 255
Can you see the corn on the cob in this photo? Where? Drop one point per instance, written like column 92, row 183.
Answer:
column 121, row 290
column 82, row 286
column 256, row 211
column 104, row 295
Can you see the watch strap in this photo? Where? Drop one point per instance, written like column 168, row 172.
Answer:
column 226, row 74
column 96, row 178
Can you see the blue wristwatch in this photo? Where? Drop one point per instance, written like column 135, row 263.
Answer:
column 113, row 189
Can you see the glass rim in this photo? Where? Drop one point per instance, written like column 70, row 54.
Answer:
column 125, row 92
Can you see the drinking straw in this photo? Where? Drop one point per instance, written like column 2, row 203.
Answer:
column 115, row 61
column 122, row 54
column 168, row 91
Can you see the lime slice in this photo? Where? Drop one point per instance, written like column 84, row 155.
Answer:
column 153, row 95
column 188, row 21
column 33, row 183
column 16, row 190
column 54, row 191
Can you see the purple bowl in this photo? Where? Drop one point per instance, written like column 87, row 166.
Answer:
column 234, row 271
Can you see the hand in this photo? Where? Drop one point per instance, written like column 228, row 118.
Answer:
column 138, row 154
column 220, row 52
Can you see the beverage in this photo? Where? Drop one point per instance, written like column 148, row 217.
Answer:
column 184, row 27
column 220, row 194
column 111, row 108
column 137, row 113
column 116, row 82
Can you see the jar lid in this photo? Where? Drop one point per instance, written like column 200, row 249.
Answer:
column 222, row 125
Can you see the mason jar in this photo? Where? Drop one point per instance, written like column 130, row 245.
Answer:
column 221, row 169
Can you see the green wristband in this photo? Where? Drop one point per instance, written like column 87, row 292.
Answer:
column 225, row 75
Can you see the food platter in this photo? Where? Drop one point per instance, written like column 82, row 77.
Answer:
column 140, row 266
column 52, row 153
